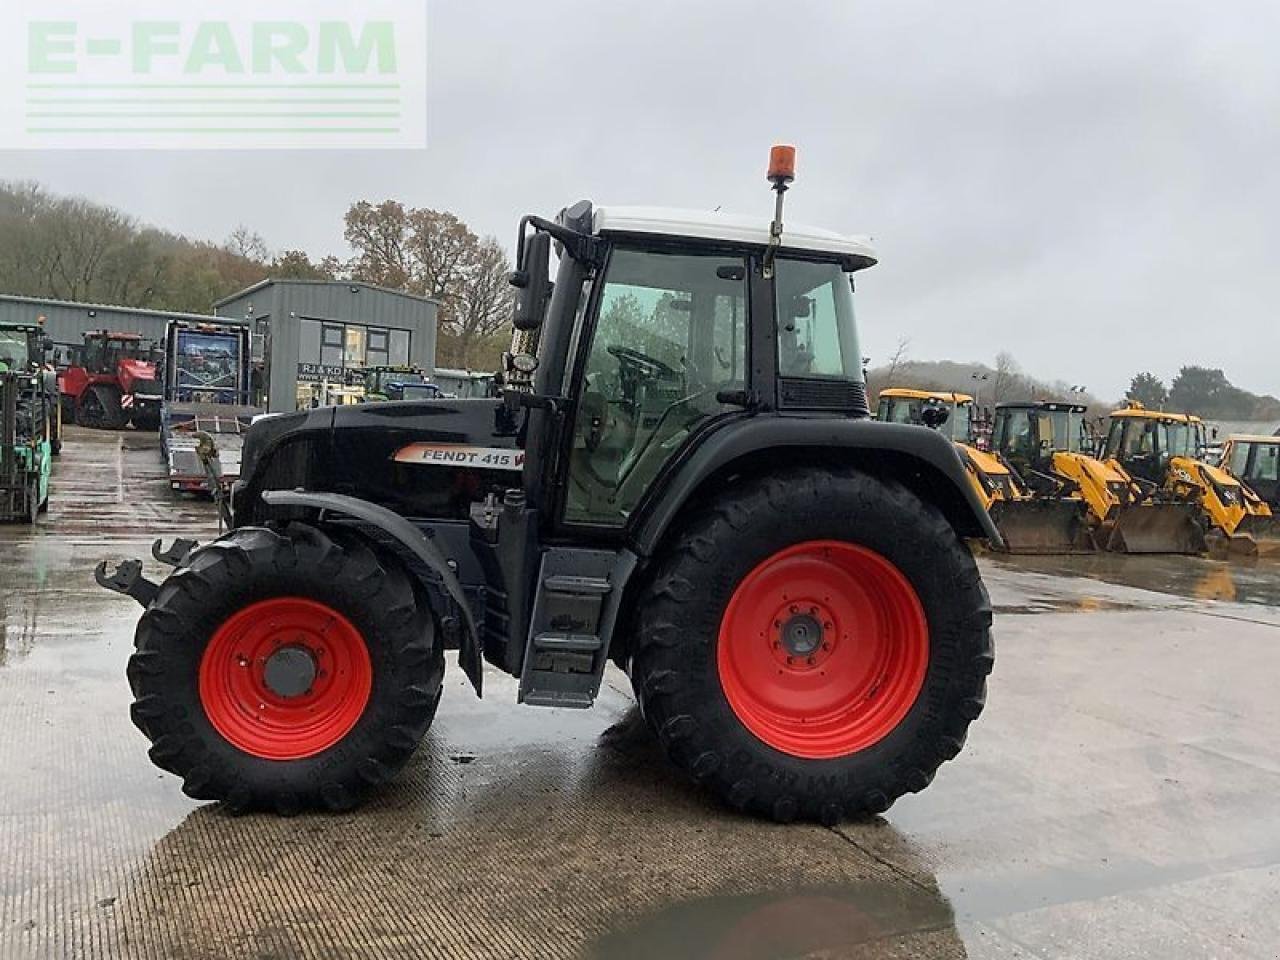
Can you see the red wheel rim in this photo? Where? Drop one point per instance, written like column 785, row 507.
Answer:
column 823, row 649
column 285, row 678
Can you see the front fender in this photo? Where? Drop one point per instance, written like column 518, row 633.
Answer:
column 920, row 458
column 411, row 538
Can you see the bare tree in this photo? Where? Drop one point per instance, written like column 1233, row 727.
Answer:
column 484, row 304
column 380, row 237
column 249, row 244
column 898, row 359
column 1007, row 374
column 433, row 253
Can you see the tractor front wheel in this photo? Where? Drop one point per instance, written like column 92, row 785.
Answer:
column 285, row 670
column 814, row 645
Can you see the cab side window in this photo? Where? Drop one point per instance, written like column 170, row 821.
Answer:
column 817, row 334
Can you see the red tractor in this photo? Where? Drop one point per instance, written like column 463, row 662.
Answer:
column 111, row 383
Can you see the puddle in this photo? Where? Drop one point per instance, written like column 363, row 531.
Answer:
column 795, row 922
column 1073, row 582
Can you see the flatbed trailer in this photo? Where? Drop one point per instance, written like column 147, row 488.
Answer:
column 180, row 434
column 207, row 392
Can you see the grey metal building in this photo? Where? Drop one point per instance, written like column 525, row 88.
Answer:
column 312, row 331
column 67, row 322
column 317, row 330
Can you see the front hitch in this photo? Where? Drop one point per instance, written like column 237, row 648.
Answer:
column 128, row 580
column 177, row 554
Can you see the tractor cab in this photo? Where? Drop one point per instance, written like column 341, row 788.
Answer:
column 1146, row 442
column 1028, row 435
column 22, row 347
column 103, row 352
column 1255, row 462
column 651, row 330
column 953, row 412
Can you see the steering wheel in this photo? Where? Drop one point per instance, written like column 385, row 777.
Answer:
column 647, row 364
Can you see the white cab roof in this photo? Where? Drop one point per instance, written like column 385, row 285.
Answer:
column 728, row 227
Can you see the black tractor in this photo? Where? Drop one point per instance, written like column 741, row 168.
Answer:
column 681, row 478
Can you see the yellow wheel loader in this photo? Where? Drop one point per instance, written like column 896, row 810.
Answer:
column 1164, row 451
column 1029, row 524
column 1047, row 445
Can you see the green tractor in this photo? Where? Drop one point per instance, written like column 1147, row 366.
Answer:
column 30, row 422
column 397, row 383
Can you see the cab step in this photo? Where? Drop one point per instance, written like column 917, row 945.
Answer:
column 573, row 617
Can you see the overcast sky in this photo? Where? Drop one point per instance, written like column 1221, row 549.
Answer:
column 1092, row 186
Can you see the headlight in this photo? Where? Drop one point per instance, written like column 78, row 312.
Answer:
column 1230, row 496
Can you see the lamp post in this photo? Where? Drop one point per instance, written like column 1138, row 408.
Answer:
column 979, row 379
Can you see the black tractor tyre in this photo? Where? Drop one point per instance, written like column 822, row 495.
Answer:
column 245, row 567
column 680, row 681
column 100, row 408
column 146, row 421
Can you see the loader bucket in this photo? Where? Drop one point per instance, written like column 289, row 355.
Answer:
column 1043, row 526
column 1158, row 528
column 1264, row 532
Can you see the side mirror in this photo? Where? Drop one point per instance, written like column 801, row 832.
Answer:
column 934, row 417
column 532, row 281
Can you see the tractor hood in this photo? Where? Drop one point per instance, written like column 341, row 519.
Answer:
column 138, row 369
column 426, row 458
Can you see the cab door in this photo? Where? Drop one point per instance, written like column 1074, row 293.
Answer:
column 666, row 358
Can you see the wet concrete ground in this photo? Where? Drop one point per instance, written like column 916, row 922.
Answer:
column 1117, row 799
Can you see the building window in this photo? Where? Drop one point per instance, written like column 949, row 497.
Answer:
column 333, row 345
column 399, row 348
column 357, row 337
column 309, row 342
column 351, row 345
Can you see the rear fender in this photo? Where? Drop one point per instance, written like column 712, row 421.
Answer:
column 921, row 459
column 411, row 538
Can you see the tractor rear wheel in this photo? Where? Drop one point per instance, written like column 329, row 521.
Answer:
column 285, row 670
column 99, row 407
column 814, row 645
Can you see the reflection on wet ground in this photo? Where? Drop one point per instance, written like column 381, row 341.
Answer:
column 1188, row 579
column 1117, row 799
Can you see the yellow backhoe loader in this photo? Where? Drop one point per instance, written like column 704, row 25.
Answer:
column 1029, row 524
column 1047, row 446
column 1163, row 451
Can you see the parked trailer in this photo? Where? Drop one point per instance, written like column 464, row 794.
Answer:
column 207, row 392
